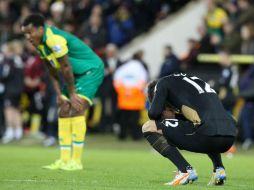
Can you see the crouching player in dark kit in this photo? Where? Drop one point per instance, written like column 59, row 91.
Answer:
column 187, row 114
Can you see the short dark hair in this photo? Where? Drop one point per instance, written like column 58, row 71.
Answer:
column 150, row 90
column 36, row 20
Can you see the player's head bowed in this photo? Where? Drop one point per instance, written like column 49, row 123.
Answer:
column 33, row 28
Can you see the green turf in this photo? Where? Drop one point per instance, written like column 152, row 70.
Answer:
column 109, row 164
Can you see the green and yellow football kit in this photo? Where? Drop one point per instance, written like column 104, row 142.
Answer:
column 87, row 67
column 88, row 72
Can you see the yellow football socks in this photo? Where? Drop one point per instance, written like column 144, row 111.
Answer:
column 35, row 123
column 64, row 134
column 78, row 137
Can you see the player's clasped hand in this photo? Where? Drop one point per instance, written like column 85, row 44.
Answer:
column 168, row 113
column 77, row 102
column 64, row 105
column 61, row 100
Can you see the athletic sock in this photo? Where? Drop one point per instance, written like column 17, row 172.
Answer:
column 160, row 144
column 216, row 159
column 78, row 137
column 35, row 123
column 189, row 168
column 64, row 134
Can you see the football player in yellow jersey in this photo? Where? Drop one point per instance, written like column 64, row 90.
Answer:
column 82, row 71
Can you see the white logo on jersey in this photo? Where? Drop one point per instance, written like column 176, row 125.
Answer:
column 57, row 48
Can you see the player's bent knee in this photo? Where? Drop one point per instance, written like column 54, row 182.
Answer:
column 75, row 112
column 85, row 106
column 145, row 127
column 64, row 110
column 149, row 126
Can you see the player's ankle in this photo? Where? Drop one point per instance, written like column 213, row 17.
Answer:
column 189, row 168
column 186, row 169
column 218, row 167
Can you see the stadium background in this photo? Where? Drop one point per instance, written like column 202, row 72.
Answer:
column 217, row 46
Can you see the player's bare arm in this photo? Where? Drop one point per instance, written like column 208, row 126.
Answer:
column 67, row 74
column 63, row 103
column 55, row 79
column 77, row 102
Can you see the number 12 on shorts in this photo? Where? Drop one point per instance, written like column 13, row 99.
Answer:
column 201, row 90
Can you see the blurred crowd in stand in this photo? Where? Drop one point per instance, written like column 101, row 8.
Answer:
column 27, row 97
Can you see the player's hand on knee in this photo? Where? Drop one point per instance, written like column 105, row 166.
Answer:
column 61, row 100
column 77, row 103
column 65, row 108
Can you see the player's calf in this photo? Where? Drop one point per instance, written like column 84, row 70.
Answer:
column 155, row 138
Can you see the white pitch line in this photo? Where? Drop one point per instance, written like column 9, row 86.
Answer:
column 25, row 180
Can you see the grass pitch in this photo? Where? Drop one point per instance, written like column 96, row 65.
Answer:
column 113, row 165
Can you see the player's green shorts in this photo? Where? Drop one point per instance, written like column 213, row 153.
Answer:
column 87, row 84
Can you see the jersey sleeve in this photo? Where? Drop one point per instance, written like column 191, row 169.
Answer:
column 58, row 45
column 159, row 101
